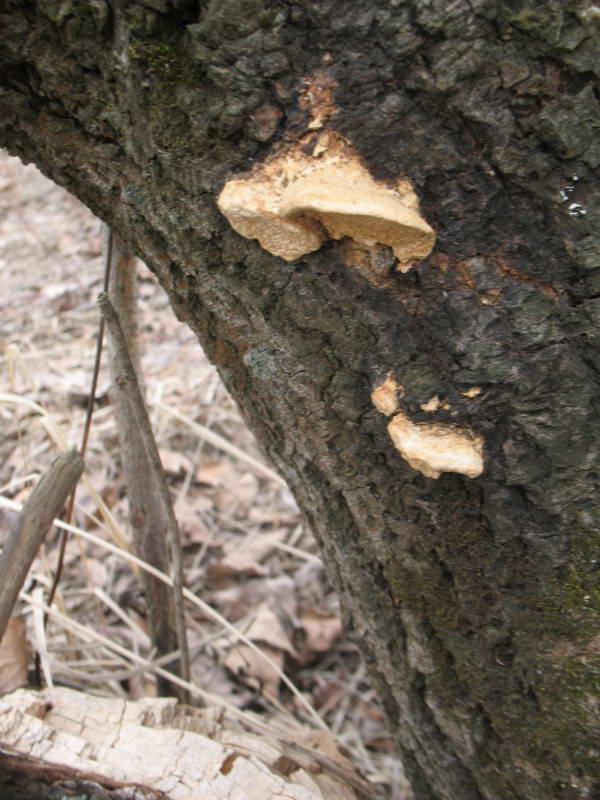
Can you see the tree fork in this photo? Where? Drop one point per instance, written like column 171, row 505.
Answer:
column 474, row 599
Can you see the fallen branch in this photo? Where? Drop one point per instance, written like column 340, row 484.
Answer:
column 44, row 504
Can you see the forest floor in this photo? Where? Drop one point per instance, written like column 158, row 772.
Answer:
column 247, row 553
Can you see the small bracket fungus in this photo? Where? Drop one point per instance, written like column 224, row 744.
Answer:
column 430, row 448
column 474, row 391
column 252, row 208
column 433, row 404
column 385, row 396
column 433, row 449
column 296, row 201
column 346, row 200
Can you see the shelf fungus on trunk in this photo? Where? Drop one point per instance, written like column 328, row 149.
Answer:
column 319, row 190
column 430, row 448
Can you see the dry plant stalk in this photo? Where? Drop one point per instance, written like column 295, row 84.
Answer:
column 150, row 508
column 44, row 504
column 86, row 432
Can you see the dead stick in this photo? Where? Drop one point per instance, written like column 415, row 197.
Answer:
column 44, row 504
column 146, row 515
column 127, row 384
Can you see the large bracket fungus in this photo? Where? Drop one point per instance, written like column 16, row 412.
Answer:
column 430, row 448
column 295, row 201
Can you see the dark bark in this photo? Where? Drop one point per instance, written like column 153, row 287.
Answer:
column 475, row 601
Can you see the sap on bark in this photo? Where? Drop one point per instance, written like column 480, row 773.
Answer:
column 297, row 200
column 429, row 448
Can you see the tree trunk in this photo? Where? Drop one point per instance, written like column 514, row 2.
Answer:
column 472, row 586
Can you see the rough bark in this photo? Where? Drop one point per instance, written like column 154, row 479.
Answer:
column 475, row 600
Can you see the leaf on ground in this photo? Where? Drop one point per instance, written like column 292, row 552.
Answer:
column 215, row 473
column 266, row 627
column 96, row 572
column 174, row 462
column 326, row 743
column 193, row 530
column 267, row 632
column 200, row 502
column 278, row 592
column 13, row 656
column 322, row 629
column 77, row 389
column 264, row 516
column 240, row 493
column 327, row 695
column 62, row 296
column 254, row 670
column 216, row 679
column 245, row 558
column 311, row 585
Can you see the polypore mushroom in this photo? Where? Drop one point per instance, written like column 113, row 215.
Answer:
column 348, row 202
column 385, row 396
column 294, row 202
column 430, row 448
column 252, row 209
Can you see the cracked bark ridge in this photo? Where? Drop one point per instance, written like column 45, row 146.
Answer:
column 475, row 600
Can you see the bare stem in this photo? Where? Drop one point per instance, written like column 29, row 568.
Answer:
column 68, row 514
column 148, row 492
